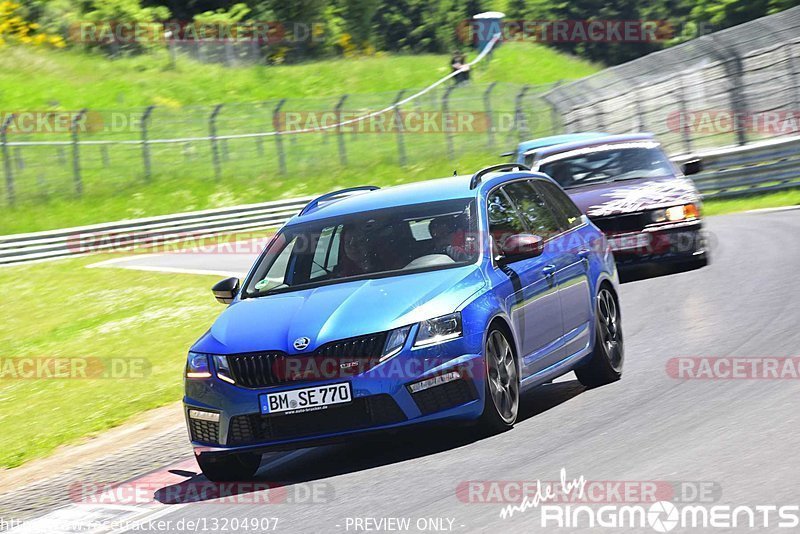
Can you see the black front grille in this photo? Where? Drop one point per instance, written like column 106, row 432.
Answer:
column 362, row 347
column 204, row 431
column 619, row 224
column 361, row 413
column 444, row 396
column 346, row 357
column 257, row 369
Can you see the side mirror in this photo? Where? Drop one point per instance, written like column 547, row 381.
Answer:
column 226, row 290
column 521, row 246
column 692, row 166
column 508, row 154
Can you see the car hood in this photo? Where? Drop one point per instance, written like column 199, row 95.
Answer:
column 614, row 198
column 339, row 311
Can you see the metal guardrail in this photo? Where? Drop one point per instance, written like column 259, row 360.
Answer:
column 39, row 246
column 745, row 170
column 728, row 172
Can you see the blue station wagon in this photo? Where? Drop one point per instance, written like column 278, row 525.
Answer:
column 375, row 309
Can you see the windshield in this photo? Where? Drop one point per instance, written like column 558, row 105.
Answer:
column 370, row 244
column 611, row 165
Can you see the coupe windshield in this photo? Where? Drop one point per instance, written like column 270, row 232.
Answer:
column 385, row 242
column 608, row 166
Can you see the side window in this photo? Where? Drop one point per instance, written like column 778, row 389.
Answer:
column 568, row 212
column 537, row 215
column 503, row 219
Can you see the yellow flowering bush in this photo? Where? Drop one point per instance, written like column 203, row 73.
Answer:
column 14, row 28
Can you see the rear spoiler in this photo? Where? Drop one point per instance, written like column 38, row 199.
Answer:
column 507, row 154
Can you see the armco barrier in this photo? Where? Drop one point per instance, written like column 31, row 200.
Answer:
column 728, row 172
column 745, row 170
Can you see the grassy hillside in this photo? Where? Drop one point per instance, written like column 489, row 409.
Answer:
column 115, row 186
column 35, row 78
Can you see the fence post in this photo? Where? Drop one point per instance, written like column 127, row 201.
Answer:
column 145, row 144
column 733, row 68
column 519, row 115
column 276, row 124
column 104, row 155
column 260, row 140
column 445, row 128
column 640, row 123
column 600, row 115
column 555, row 116
column 684, row 116
column 339, row 135
column 578, row 120
column 794, row 74
column 487, row 107
column 398, row 122
column 76, row 159
column 7, row 160
column 212, row 132
column 739, row 101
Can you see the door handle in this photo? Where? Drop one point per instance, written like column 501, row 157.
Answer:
column 584, row 253
column 548, row 270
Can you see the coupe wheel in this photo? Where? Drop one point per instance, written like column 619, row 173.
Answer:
column 502, row 383
column 605, row 365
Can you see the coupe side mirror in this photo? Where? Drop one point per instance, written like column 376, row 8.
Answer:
column 521, row 246
column 692, row 166
column 226, row 290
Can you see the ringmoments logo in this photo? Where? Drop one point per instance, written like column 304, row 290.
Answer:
column 580, row 503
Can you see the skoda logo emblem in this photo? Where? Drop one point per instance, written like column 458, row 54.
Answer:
column 301, row 343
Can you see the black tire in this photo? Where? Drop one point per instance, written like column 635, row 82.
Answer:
column 230, row 467
column 608, row 356
column 501, row 385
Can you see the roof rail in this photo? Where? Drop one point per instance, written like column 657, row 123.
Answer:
column 314, row 203
column 476, row 178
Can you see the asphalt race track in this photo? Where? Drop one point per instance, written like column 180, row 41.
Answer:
column 737, row 438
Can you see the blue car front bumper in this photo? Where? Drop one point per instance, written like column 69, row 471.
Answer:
column 381, row 400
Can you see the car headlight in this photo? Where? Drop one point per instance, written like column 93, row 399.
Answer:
column 438, row 330
column 197, row 366
column 394, row 342
column 676, row 213
column 223, row 370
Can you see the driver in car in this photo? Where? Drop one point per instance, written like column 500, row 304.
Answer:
column 357, row 257
column 447, row 239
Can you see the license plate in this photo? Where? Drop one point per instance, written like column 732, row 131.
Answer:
column 305, row 399
column 630, row 242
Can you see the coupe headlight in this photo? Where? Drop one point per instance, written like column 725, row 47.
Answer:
column 676, row 213
column 395, row 342
column 439, row 330
column 197, row 366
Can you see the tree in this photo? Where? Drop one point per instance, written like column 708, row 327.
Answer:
column 358, row 16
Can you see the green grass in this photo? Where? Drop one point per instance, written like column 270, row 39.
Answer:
column 114, row 182
column 32, row 78
column 776, row 199
column 126, row 314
